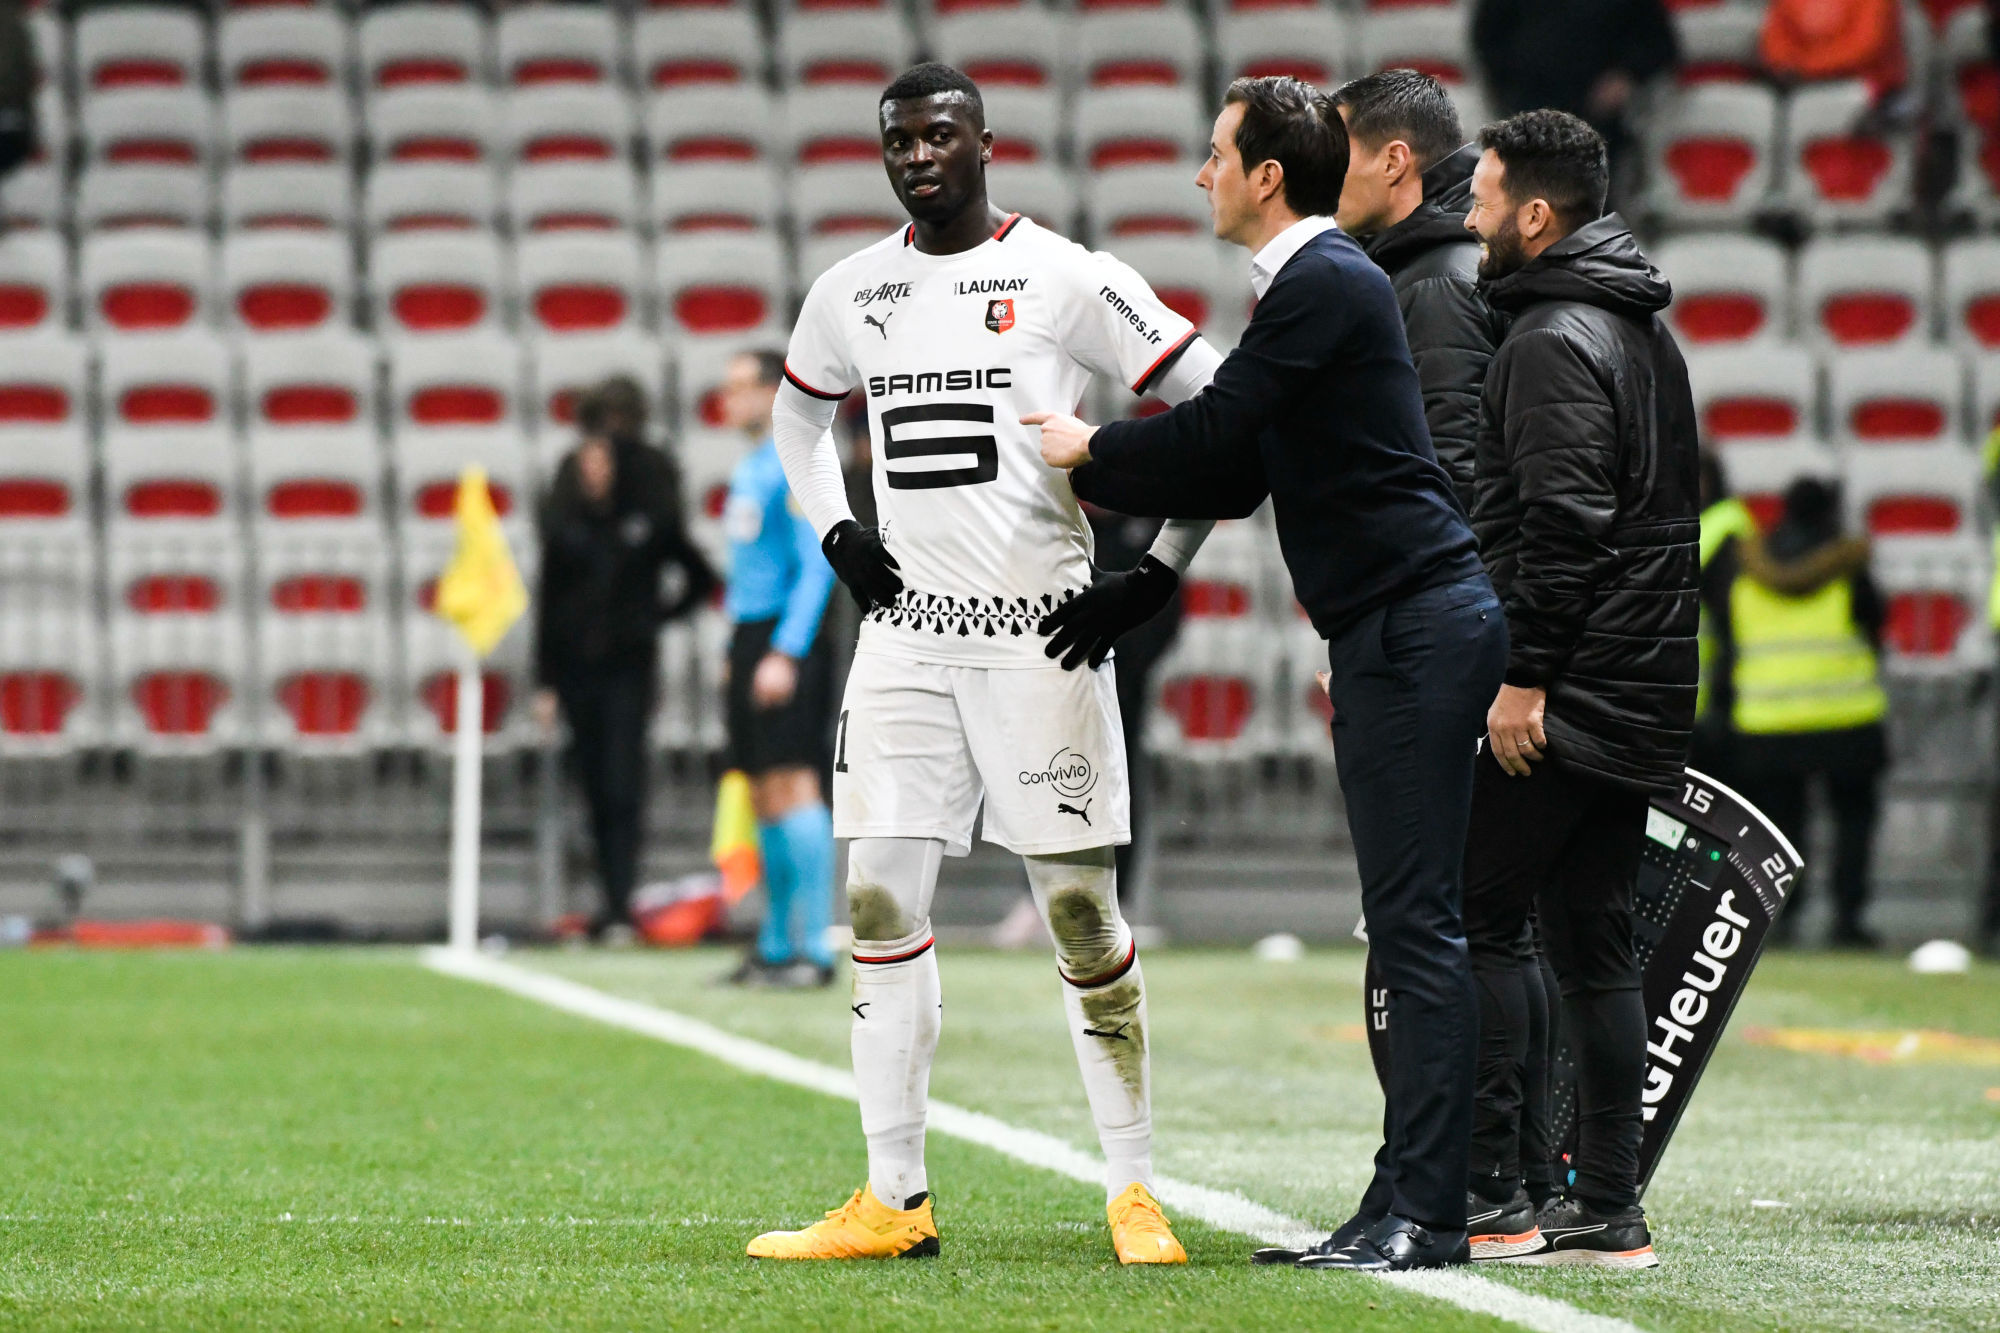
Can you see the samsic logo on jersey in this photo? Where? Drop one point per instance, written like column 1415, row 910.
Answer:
column 891, row 292
column 1000, row 315
column 938, row 381
column 1132, row 317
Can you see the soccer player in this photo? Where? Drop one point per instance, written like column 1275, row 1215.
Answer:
column 780, row 687
column 955, row 327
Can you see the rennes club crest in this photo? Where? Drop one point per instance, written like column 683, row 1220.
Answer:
column 1000, row 315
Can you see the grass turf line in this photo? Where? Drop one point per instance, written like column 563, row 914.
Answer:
column 1892, row 1216
column 314, row 1140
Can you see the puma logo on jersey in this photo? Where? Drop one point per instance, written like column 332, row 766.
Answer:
column 881, row 325
column 1062, row 808
column 1115, row 1034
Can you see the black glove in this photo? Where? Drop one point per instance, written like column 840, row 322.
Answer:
column 1085, row 627
column 863, row 564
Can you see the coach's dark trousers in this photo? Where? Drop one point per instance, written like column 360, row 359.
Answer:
column 1411, row 683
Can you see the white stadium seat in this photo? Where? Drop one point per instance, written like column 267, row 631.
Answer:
column 287, row 281
column 145, row 280
column 1727, row 288
column 283, row 46
column 300, row 196
column 538, row 45
column 431, row 196
column 1865, row 291
column 1898, row 396
column 404, row 45
column 698, row 45
column 582, row 283
column 432, row 283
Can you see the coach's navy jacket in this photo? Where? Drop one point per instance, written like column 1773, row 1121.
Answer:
column 1318, row 407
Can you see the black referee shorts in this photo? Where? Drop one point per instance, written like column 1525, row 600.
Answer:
column 794, row 735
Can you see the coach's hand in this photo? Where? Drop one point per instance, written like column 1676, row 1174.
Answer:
column 1084, row 628
column 1065, row 440
column 1514, row 728
column 863, row 564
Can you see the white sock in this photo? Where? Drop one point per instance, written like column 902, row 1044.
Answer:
column 897, row 1010
column 1104, row 996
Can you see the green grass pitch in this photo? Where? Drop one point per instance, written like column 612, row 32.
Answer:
column 343, row 1140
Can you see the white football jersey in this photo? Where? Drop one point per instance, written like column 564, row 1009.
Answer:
column 952, row 351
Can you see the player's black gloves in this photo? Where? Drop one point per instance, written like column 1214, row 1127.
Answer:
column 863, row 564
column 1084, row 628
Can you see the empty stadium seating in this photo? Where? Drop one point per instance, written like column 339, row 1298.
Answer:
column 280, row 271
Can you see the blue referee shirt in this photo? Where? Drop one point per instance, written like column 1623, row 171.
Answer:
column 776, row 569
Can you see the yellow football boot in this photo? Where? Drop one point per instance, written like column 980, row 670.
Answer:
column 862, row 1228
column 1139, row 1230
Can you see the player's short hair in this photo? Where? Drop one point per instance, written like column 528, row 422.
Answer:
column 1292, row 123
column 1552, row 156
column 1404, row 104
column 770, row 364
column 934, row 78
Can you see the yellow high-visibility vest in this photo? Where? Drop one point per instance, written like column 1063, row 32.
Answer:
column 1802, row 664
column 1719, row 522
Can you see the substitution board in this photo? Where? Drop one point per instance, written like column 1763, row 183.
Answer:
column 1714, row 877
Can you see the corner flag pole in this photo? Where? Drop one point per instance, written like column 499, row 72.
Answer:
column 481, row 594
column 465, row 804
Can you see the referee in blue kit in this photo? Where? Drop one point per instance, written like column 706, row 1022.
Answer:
column 780, row 688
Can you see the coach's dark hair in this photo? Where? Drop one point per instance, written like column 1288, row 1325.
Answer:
column 1292, row 123
column 1554, row 156
column 934, row 78
column 770, row 364
column 1404, row 104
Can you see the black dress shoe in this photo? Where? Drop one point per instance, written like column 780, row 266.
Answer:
column 1343, row 1236
column 1396, row 1245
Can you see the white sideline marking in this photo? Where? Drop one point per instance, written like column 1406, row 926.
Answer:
column 1222, row 1209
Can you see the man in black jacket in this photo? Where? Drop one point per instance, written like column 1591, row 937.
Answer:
column 1409, row 173
column 610, row 528
column 1319, row 407
column 1585, row 502
column 1408, row 187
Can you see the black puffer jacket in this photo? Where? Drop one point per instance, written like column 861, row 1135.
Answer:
column 1433, row 263
column 1586, row 504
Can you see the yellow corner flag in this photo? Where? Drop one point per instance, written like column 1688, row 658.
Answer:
column 480, row 591
column 733, row 847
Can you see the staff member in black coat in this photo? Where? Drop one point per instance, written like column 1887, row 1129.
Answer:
column 1408, row 188
column 1319, row 407
column 611, row 529
column 1586, row 504
column 1409, row 174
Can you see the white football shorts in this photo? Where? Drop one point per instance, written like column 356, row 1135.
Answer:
column 919, row 745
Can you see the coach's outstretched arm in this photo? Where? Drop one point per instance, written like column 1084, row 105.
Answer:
column 1214, row 434
column 1085, row 628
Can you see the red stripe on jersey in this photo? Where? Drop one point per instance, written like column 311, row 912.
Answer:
column 803, row 387
column 1140, row 385
column 1006, row 226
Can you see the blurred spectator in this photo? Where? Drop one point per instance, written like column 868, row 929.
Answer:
column 1800, row 637
column 780, row 687
column 1725, row 521
column 1586, row 57
column 18, row 76
column 1805, row 41
column 611, row 530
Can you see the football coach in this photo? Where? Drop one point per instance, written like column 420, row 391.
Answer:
column 1319, row 407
